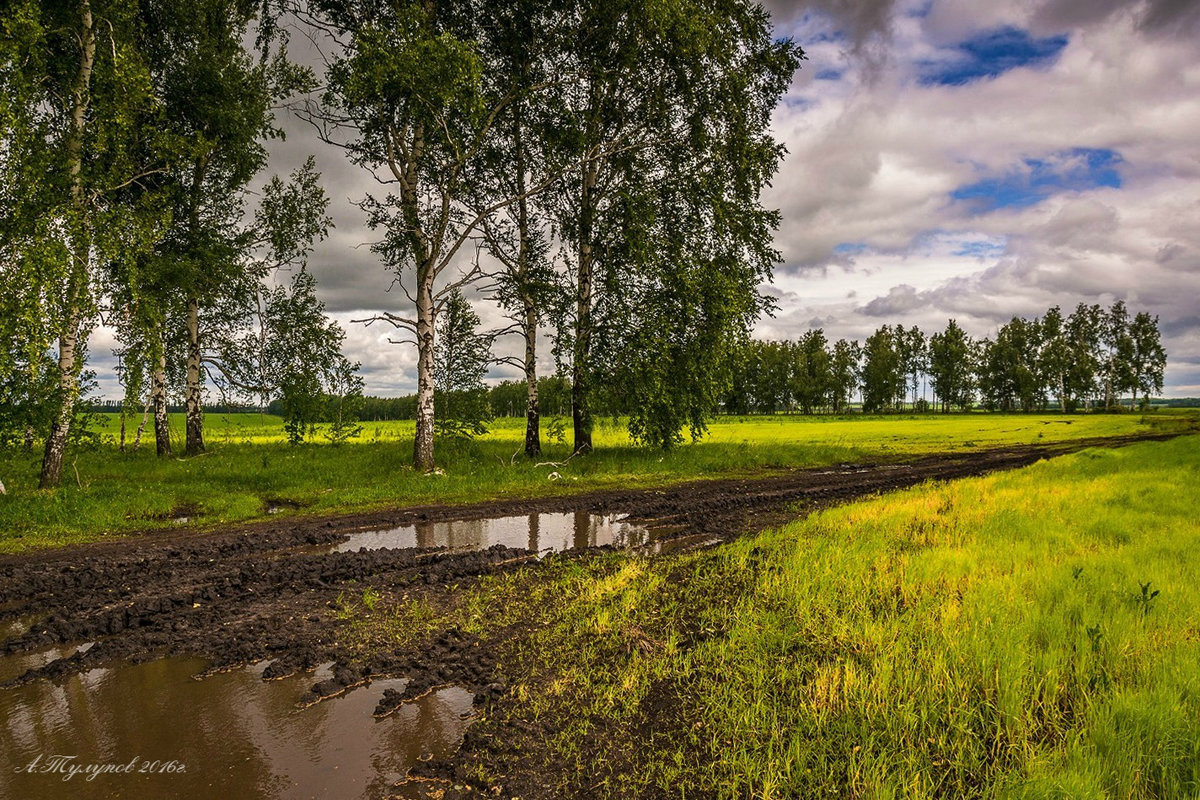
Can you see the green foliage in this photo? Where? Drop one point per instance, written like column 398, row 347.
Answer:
column 844, row 374
column 1008, row 368
column 1147, row 356
column 343, row 403
column 409, row 91
column 952, row 367
column 667, row 234
column 76, row 83
column 300, row 357
column 883, row 373
column 461, row 356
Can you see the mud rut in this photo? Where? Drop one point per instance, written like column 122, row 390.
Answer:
column 260, row 592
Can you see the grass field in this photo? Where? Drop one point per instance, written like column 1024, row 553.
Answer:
column 249, row 465
column 1031, row 634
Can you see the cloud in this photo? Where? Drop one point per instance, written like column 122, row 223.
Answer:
column 896, row 303
column 1066, row 129
column 1074, row 181
column 858, row 20
column 1168, row 17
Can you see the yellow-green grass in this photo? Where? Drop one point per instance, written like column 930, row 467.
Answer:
column 1034, row 633
column 248, row 463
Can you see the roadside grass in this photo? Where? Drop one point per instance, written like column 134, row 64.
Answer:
column 250, row 469
column 1030, row 634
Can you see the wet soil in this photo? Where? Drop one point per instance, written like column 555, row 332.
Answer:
column 273, row 590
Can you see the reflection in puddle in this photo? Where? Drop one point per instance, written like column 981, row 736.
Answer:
column 235, row 735
column 536, row 532
column 15, row 666
column 18, row 626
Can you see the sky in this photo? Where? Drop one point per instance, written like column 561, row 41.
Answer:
column 946, row 159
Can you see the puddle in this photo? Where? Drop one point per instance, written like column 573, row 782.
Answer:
column 229, row 735
column 275, row 505
column 540, row 533
column 15, row 666
column 18, row 626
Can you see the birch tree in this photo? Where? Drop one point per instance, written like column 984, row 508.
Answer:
column 1148, row 358
column 522, row 49
column 409, row 101
column 75, row 83
column 950, row 366
column 218, row 105
column 668, row 114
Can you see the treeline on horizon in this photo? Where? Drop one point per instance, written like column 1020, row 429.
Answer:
column 1088, row 360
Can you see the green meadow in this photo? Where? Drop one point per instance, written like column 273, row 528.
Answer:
column 249, row 466
column 1029, row 634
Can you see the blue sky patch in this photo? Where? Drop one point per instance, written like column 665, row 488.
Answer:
column 828, row 75
column 980, row 249
column 850, row 248
column 1035, row 179
column 989, row 54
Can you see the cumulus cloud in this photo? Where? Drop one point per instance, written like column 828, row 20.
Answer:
column 1012, row 156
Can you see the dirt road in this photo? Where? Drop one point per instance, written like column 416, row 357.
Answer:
column 266, row 590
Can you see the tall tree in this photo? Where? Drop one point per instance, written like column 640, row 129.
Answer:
column 521, row 51
column 844, row 373
column 951, row 367
column 461, row 356
column 1008, row 372
column 218, row 105
column 883, row 376
column 295, row 356
column 813, row 381
column 1054, row 355
column 410, row 102
column 669, row 115
column 1083, row 338
column 1117, row 352
column 72, row 106
column 31, row 252
column 912, row 348
column 1148, row 357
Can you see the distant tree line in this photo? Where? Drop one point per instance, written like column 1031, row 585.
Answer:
column 505, row 399
column 1087, row 360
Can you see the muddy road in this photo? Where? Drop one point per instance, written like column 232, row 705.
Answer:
column 268, row 590
column 272, row 590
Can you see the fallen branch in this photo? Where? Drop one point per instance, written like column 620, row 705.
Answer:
column 558, row 464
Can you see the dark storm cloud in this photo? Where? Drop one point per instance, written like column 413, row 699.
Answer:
column 1168, row 17
column 895, row 304
column 1177, row 17
column 858, row 20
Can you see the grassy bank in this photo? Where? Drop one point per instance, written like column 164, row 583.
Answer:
column 1028, row 634
column 249, row 466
